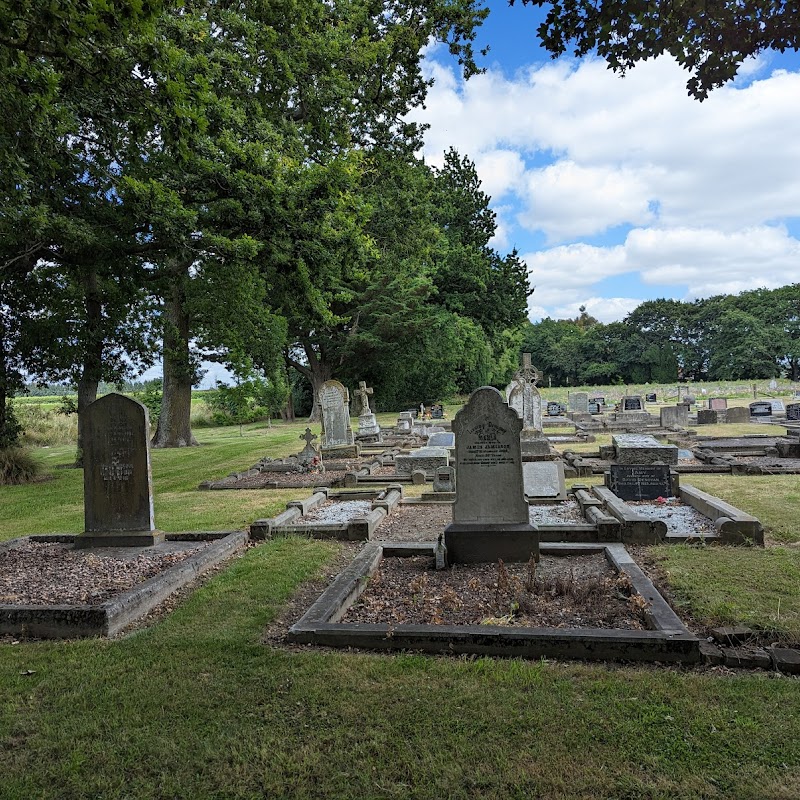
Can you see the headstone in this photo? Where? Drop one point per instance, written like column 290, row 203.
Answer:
column 117, row 483
column 793, row 411
column 595, row 407
column 761, row 408
column 418, row 477
column 524, row 398
column 367, row 423
column 444, row 480
column 437, row 411
column 773, row 384
column 718, row 404
column 442, row 439
column 553, row 409
column 640, row 481
column 598, row 399
column 777, row 406
column 738, row 414
column 651, row 397
column 309, row 452
column 335, row 401
column 579, row 402
column 490, row 515
column 632, row 403
column 707, row 416
column 674, row 416
column 544, row 480
column 637, row 448
column 424, row 459
column 432, row 429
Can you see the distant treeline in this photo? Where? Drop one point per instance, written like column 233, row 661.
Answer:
column 61, row 389
column 754, row 334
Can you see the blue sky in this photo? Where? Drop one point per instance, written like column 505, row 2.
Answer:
column 619, row 190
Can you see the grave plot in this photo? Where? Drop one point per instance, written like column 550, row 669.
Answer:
column 100, row 581
column 50, row 590
column 331, row 514
column 581, row 601
column 752, row 455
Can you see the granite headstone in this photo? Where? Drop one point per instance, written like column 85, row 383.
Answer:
column 640, row 481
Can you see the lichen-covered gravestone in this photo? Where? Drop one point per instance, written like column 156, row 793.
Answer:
column 117, row 483
column 337, row 435
column 524, row 398
column 490, row 515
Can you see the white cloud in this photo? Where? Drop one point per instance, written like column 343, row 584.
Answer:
column 602, row 147
column 603, row 309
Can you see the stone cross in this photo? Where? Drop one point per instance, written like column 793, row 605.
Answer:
column 523, row 396
column 308, row 437
column 363, row 393
column 528, row 371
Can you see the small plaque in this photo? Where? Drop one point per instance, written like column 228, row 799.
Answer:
column 640, row 481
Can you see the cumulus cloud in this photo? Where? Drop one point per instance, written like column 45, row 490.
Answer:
column 630, row 176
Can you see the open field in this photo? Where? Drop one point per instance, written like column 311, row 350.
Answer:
column 197, row 706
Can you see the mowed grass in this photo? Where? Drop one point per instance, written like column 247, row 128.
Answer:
column 197, row 706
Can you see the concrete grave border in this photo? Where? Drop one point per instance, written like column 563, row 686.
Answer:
column 110, row 617
column 288, row 523
column 667, row 640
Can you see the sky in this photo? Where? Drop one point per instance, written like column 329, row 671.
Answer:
column 616, row 190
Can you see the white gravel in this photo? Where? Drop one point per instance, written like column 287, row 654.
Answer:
column 336, row 511
column 679, row 517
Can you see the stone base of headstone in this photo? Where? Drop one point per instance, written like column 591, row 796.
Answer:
column 118, row 539
column 368, row 425
column 533, row 447
column 472, row 543
column 342, row 451
column 438, row 497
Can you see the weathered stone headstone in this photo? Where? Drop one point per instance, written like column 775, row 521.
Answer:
column 117, row 483
column 777, row 406
column 335, row 402
column 544, row 480
column 579, row 402
column 595, row 407
column 708, row 416
column 718, row 403
column 444, row 480
column 524, row 398
column 405, row 422
column 490, row 515
column 637, row 448
column 640, row 481
column 738, row 414
column 674, row 416
column 367, row 423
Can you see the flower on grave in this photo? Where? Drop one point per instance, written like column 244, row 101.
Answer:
column 661, row 500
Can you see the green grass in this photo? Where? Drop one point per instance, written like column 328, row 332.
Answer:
column 197, row 706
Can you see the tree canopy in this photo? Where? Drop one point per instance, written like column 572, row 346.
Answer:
column 709, row 39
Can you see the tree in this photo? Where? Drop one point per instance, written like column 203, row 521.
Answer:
column 709, row 39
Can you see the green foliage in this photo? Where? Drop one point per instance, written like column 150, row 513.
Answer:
column 10, row 428
column 754, row 334
column 17, row 466
column 151, row 396
column 249, row 400
column 710, row 40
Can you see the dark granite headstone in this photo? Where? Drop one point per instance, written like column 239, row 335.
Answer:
column 117, row 483
column 761, row 408
column 793, row 411
column 640, row 481
column 594, row 407
column 553, row 409
column 651, row 398
column 632, row 403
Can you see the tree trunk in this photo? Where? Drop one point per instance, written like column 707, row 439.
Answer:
column 287, row 412
column 92, row 368
column 174, row 423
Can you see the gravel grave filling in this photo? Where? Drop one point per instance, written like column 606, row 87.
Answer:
column 558, row 592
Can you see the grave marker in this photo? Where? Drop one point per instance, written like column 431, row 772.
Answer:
column 117, row 482
column 335, row 401
column 490, row 515
column 544, row 480
column 640, row 481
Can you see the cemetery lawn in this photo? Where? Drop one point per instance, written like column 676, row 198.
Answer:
column 196, row 706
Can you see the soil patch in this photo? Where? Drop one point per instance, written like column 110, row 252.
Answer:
column 415, row 523
column 36, row 573
column 558, row 592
